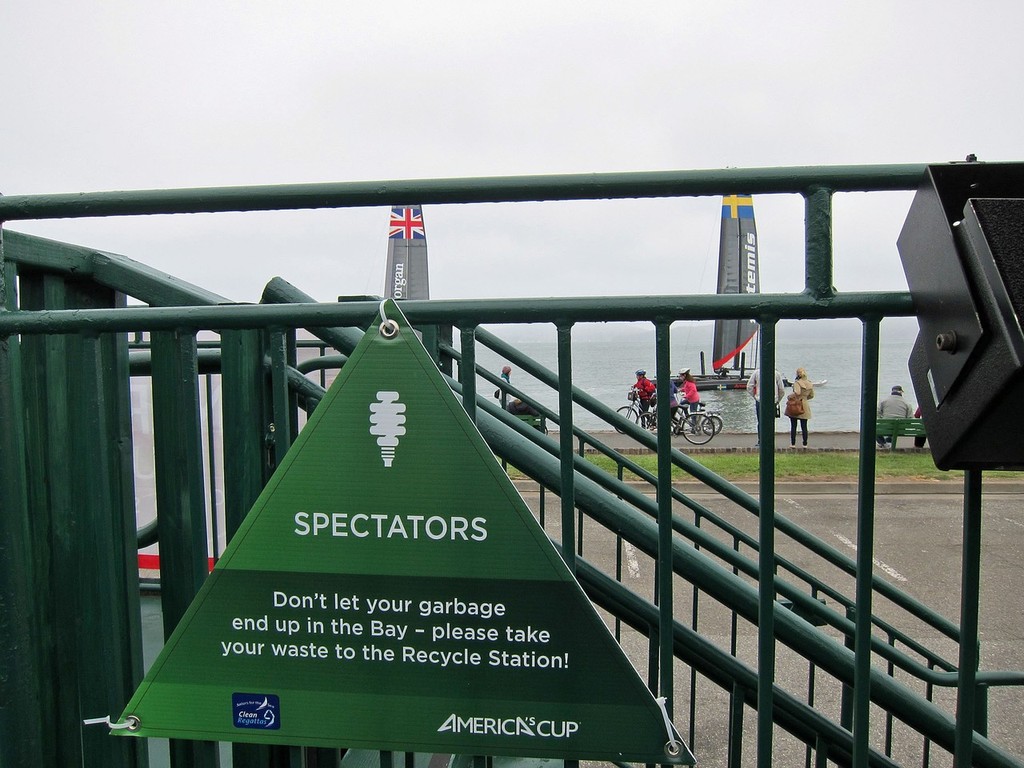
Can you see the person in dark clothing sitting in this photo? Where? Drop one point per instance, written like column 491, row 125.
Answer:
column 521, row 408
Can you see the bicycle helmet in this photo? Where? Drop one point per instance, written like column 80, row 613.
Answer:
column 641, row 372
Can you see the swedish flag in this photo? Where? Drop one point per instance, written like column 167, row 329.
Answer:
column 738, row 207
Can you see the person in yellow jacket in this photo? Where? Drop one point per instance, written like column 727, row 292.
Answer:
column 797, row 406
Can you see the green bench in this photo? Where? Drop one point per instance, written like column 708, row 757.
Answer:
column 896, row 428
column 537, row 422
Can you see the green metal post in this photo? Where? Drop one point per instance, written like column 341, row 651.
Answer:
column 766, row 553
column 692, row 714
column 444, row 335
column 181, row 510
column 818, row 243
column 890, row 670
column 665, row 575
column 281, row 430
column 846, row 694
column 100, row 537
column 79, row 470
column 243, row 389
column 467, row 371
column 736, row 701
column 434, row 337
column 291, row 361
column 981, row 710
column 243, row 386
column 211, row 454
column 179, row 473
column 579, row 532
column 970, row 597
column 55, row 554
column 21, row 712
column 109, row 640
column 652, row 650
column 568, row 476
column 865, row 545
column 106, row 535
column 820, row 753
column 431, row 342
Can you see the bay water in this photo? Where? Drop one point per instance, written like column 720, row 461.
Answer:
column 831, row 351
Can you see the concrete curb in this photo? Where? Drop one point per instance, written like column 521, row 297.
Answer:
column 742, row 442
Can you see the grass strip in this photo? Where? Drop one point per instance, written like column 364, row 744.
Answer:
column 807, row 465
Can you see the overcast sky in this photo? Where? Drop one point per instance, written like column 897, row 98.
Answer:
column 136, row 94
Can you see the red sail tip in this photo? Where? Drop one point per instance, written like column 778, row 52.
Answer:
column 730, row 355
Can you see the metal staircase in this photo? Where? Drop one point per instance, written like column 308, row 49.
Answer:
column 765, row 658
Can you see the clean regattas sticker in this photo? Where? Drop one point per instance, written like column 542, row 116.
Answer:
column 256, row 710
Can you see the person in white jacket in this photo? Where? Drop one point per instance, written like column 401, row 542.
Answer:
column 754, row 390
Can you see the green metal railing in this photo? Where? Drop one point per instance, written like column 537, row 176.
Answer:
column 67, row 522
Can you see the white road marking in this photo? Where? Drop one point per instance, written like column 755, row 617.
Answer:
column 632, row 564
column 878, row 563
column 885, row 567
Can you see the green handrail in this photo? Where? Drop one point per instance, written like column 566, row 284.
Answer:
column 590, row 186
column 180, row 310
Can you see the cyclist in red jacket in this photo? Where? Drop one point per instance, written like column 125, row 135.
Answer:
column 689, row 387
column 645, row 389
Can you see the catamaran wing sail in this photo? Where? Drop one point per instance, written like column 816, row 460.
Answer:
column 406, row 276
column 737, row 273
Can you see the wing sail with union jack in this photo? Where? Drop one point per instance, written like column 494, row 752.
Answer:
column 406, row 276
column 406, row 223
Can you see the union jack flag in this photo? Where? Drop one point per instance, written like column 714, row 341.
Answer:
column 406, row 224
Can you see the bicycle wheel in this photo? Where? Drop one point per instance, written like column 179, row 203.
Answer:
column 714, row 423
column 630, row 412
column 693, row 429
column 649, row 421
column 678, row 423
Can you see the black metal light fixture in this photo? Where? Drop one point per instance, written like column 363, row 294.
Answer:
column 962, row 247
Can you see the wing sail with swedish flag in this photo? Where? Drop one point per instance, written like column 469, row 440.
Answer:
column 737, row 273
column 406, row 276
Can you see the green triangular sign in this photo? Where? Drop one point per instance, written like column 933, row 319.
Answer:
column 391, row 590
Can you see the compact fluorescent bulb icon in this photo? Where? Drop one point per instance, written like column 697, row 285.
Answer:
column 387, row 421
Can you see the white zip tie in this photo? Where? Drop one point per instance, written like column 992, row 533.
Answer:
column 388, row 328
column 131, row 723
column 673, row 747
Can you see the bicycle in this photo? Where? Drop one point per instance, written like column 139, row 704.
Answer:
column 697, row 426
column 633, row 413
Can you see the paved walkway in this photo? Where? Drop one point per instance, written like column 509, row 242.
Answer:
column 740, row 441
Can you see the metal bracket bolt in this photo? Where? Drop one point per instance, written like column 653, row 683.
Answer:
column 946, row 342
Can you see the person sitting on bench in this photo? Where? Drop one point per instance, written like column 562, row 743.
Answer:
column 520, row 408
column 893, row 407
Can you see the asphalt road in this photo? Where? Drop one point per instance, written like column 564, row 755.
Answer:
column 916, row 548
